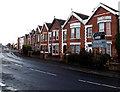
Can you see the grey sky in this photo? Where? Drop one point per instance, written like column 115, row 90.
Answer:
column 18, row 17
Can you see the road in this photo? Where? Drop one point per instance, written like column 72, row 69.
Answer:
column 20, row 74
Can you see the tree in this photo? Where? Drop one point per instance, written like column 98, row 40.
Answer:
column 26, row 48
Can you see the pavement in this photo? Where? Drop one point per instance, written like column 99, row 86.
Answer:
column 107, row 73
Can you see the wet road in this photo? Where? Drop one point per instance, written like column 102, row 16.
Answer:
column 30, row 74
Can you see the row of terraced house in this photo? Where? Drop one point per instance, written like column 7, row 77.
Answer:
column 96, row 33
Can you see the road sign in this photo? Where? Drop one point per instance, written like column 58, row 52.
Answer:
column 99, row 35
column 99, row 44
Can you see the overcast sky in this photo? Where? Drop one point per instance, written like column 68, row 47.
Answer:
column 18, row 17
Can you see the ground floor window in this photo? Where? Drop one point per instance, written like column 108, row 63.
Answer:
column 78, row 49
column 55, row 50
column 102, row 50
column 64, row 48
column 72, row 48
column 75, row 49
column 108, row 48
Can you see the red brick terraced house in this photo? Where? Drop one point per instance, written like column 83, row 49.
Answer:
column 55, row 36
column 45, row 47
column 101, row 29
column 28, row 40
column 32, row 36
column 37, row 38
column 73, row 33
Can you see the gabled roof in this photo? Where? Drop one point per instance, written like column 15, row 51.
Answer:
column 47, row 25
column 60, row 22
column 113, row 11
column 81, row 17
column 39, row 27
column 110, row 8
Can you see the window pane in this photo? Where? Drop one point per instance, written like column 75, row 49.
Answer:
column 57, row 49
column 56, row 35
column 72, row 32
column 90, row 32
column 72, row 48
column 101, row 27
column 78, row 49
column 53, row 35
column 108, row 28
column 108, row 49
column 77, row 33
column 64, row 35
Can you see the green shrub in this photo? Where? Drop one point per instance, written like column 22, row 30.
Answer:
column 89, row 60
column 26, row 48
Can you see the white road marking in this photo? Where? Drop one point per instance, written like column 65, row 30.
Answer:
column 11, row 89
column 105, row 85
column 18, row 65
column 53, row 74
column 2, row 85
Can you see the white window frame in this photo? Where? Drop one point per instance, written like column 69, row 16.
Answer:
column 77, row 33
column 56, row 48
column 72, row 33
column 57, row 35
column 78, row 51
column 103, row 28
column 72, row 51
column 65, row 35
column 89, row 32
column 107, row 49
column 108, row 29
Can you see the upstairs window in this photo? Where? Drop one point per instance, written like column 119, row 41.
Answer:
column 55, row 34
column 89, row 32
column 108, row 28
column 72, row 33
column 101, row 27
column 50, row 38
column 64, row 35
column 78, row 33
column 75, row 33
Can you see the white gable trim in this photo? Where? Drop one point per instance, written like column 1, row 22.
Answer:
column 101, row 5
column 73, row 14
column 45, row 26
